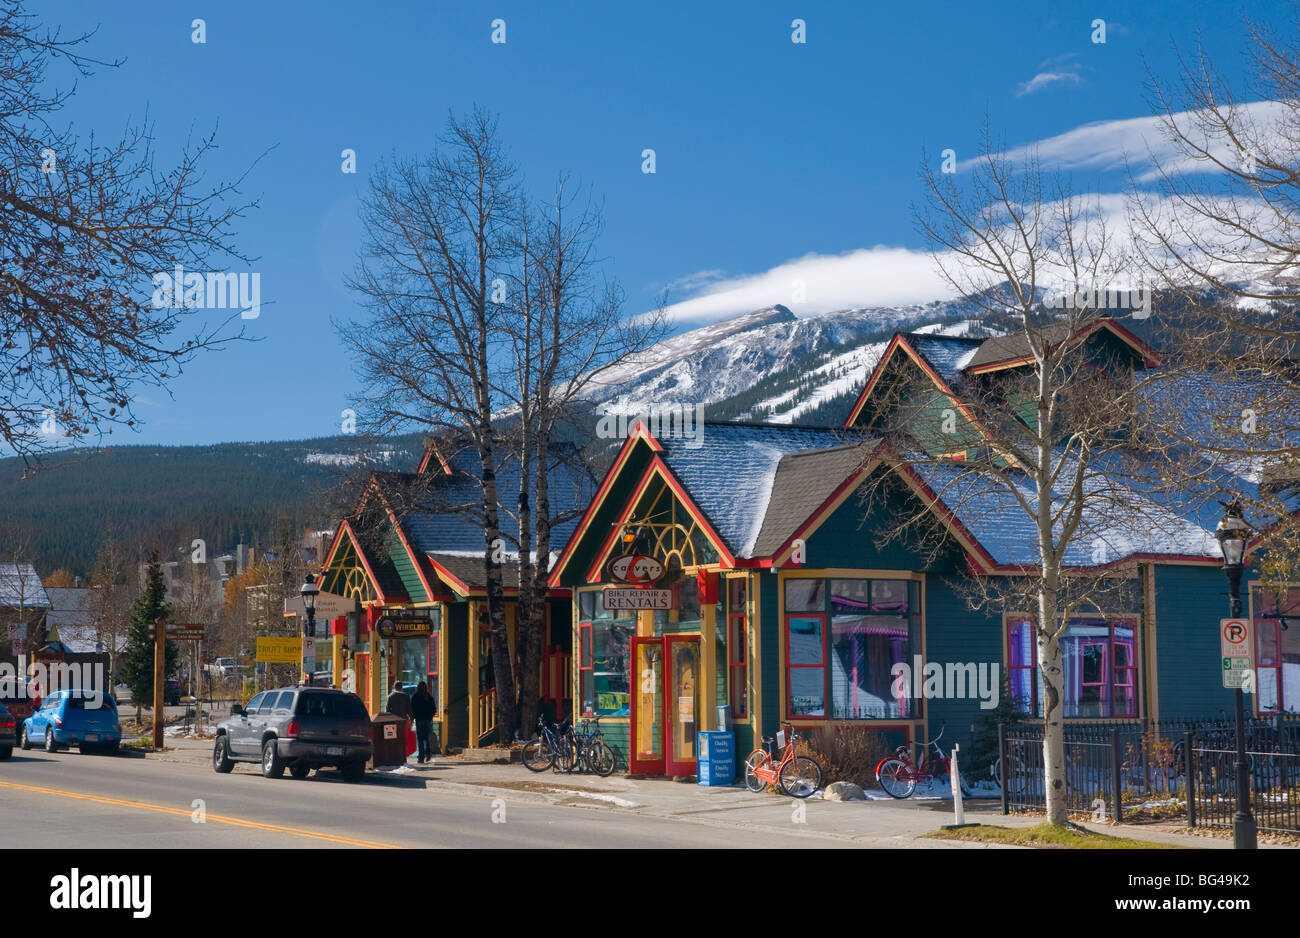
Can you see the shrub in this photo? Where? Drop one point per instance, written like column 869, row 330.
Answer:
column 848, row 753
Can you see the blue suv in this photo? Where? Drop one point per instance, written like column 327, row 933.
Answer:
column 85, row 719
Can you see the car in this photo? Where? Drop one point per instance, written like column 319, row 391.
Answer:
column 299, row 728
column 16, row 695
column 8, row 733
column 82, row 718
column 171, row 692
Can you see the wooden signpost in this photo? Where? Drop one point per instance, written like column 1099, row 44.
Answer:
column 161, row 632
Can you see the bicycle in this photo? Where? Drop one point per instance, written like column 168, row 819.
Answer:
column 798, row 776
column 898, row 775
column 588, row 748
column 549, row 750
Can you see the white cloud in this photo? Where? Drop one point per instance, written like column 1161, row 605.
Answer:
column 1138, row 142
column 1043, row 79
column 878, row 276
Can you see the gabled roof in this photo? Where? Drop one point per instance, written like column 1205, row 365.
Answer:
column 731, row 474
column 948, row 355
column 804, row 482
column 1013, row 350
column 20, row 585
column 436, row 516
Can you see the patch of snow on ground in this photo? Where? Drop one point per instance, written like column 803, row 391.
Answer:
column 598, row 796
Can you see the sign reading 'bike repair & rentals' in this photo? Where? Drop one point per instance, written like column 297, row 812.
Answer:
column 640, row 573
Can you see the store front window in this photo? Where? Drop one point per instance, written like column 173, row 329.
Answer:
column 604, row 644
column 1277, row 649
column 843, row 637
column 1099, row 657
column 417, row 658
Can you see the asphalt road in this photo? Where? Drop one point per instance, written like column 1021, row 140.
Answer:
column 71, row 800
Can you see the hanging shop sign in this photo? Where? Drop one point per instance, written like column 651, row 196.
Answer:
column 638, row 599
column 636, row 570
column 404, row 626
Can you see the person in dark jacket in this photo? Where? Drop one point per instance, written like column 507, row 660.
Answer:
column 398, row 702
column 423, row 710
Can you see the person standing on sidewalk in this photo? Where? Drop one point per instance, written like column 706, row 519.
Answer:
column 399, row 704
column 423, row 709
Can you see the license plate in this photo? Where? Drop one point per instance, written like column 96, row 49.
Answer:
column 92, row 737
column 333, row 750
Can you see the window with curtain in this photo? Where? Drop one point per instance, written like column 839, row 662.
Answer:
column 843, row 638
column 1099, row 658
column 1277, row 649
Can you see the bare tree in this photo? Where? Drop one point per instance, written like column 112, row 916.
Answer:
column 1043, row 442
column 566, row 327
column 1221, row 228
column 84, row 228
column 438, row 236
column 115, row 586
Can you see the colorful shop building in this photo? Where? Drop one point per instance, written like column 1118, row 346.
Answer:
column 768, row 591
column 412, row 557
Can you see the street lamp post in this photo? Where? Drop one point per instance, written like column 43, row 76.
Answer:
column 1231, row 533
column 308, row 593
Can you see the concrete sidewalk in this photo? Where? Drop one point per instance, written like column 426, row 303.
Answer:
column 885, row 822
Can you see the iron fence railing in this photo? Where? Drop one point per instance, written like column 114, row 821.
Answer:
column 1168, row 768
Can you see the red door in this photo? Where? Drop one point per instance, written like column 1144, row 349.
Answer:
column 665, row 705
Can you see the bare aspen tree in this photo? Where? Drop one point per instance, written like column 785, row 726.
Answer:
column 1044, row 440
column 566, row 327
column 1219, row 224
column 437, row 232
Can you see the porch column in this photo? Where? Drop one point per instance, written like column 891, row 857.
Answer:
column 707, row 719
column 471, row 685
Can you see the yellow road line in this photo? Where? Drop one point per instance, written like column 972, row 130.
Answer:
column 184, row 812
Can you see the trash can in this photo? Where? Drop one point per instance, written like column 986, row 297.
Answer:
column 717, row 762
column 389, row 740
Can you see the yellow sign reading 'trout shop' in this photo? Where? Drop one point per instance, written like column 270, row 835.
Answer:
column 279, row 650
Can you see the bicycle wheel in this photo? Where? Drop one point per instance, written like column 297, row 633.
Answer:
column 601, row 759
column 895, row 778
column 757, row 759
column 800, row 777
column 538, row 755
column 1018, row 781
column 566, row 755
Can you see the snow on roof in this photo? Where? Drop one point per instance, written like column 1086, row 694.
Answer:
column 1118, row 522
column 20, row 586
column 946, row 354
column 730, row 475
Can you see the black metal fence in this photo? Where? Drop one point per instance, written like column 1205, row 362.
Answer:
column 1176, row 768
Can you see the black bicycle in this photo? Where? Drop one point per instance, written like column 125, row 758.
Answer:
column 588, row 748
column 550, row 749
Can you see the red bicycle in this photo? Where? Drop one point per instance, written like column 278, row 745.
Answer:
column 898, row 775
column 798, row 776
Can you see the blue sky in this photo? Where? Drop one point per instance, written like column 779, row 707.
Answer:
column 767, row 151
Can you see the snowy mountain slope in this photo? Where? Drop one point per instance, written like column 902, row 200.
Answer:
column 771, row 365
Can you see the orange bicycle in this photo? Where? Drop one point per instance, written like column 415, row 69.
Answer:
column 798, row 776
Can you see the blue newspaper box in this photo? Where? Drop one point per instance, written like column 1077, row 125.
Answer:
column 717, row 762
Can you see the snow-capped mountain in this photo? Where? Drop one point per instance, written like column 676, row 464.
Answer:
column 771, row 365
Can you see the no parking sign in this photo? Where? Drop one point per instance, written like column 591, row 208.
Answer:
column 1236, row 648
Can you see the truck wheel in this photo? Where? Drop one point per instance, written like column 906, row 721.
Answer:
column 272, row 764
column 221, row 761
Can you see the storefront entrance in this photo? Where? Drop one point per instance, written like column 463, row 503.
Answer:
column 665, row 704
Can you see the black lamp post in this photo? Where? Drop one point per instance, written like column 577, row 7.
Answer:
column 308, row 593
column 1231, row 533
